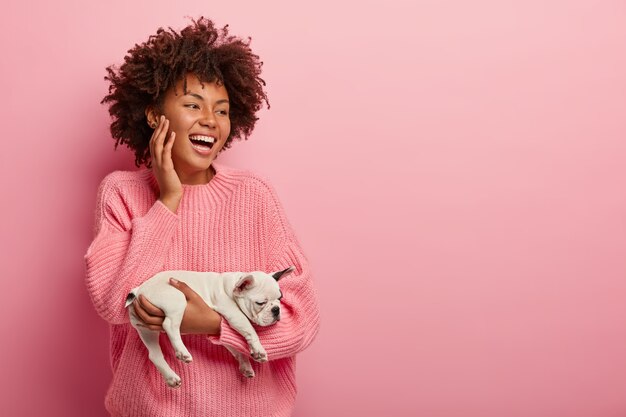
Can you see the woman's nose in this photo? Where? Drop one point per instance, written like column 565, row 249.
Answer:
column 208, row 119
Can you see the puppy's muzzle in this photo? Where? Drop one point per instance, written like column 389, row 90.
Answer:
column 276, row 312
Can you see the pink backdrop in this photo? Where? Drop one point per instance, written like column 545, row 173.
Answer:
column 454, row 170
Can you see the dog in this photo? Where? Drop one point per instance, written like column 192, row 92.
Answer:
column 239, row 297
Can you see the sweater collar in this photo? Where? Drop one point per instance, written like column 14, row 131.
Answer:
column 220, row 171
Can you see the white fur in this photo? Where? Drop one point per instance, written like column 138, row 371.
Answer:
column 234, row 295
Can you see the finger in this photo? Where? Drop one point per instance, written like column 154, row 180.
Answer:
column 157, row 129
column 153, row 323
column 150, row 308
column 145, row 317
column 140, row 312
column 167, row 150
column 160, row 141
column 153, row 327
column 155, row 134
column 155, row 137
column 184, row 288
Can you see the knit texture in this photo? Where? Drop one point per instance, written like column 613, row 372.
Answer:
column 233, row 223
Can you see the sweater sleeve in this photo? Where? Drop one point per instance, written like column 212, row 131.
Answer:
column 126, row 250
column 300, row 317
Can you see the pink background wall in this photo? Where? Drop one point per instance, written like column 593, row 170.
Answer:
column 454, row 170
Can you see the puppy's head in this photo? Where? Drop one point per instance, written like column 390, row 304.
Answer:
column 258, row 296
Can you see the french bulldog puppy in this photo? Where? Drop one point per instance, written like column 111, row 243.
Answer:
column 239, row 297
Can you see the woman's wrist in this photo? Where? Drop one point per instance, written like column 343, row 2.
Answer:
column 171, row 202
column 215, row 325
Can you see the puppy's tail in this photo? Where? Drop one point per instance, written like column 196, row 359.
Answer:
column 131, row 297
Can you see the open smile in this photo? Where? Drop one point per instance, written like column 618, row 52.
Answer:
column 202, row 144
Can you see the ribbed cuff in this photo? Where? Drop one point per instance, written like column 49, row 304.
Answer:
column 229, row 336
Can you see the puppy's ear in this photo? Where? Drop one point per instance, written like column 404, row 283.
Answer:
column 245, row 283
column 279, row 274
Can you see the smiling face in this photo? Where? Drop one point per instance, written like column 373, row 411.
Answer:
column 200, row 118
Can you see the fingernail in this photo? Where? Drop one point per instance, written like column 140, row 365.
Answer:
column 173, row 280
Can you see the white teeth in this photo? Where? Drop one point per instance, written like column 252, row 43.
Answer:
column 207, row 139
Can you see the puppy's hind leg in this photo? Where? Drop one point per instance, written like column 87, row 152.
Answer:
column 150, row 338
column 171, row 325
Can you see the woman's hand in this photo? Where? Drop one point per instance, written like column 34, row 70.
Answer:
column 170, row 186
column 199, row 318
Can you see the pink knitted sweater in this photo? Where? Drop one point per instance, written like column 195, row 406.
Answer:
column 233, row 223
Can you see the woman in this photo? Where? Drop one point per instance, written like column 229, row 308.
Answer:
column 178, row 100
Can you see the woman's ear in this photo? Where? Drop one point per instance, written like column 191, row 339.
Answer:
column 152, row 116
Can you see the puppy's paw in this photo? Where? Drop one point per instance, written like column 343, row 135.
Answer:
column 246, row 370
column 259, row 354
column 173, row 382
column 185, row 357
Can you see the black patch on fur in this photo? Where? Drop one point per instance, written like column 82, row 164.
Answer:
column 130, row 298
column 277, row 275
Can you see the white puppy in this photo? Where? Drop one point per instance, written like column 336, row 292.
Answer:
column 239, row 297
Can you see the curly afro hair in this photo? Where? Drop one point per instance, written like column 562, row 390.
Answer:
column 151, row 68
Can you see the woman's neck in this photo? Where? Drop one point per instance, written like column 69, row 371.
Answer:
column 197, row 178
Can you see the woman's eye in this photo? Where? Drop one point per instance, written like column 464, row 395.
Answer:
column 223, row 112
column 261, row 304
column 192, row 106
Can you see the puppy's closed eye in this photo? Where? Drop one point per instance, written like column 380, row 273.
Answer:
column 261, row 303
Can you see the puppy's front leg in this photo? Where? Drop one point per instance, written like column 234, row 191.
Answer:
column 244, row 364
column 239, row 322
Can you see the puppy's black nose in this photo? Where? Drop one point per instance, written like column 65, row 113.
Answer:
column 276, row 310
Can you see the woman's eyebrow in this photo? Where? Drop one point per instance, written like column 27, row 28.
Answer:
column 199, row 97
